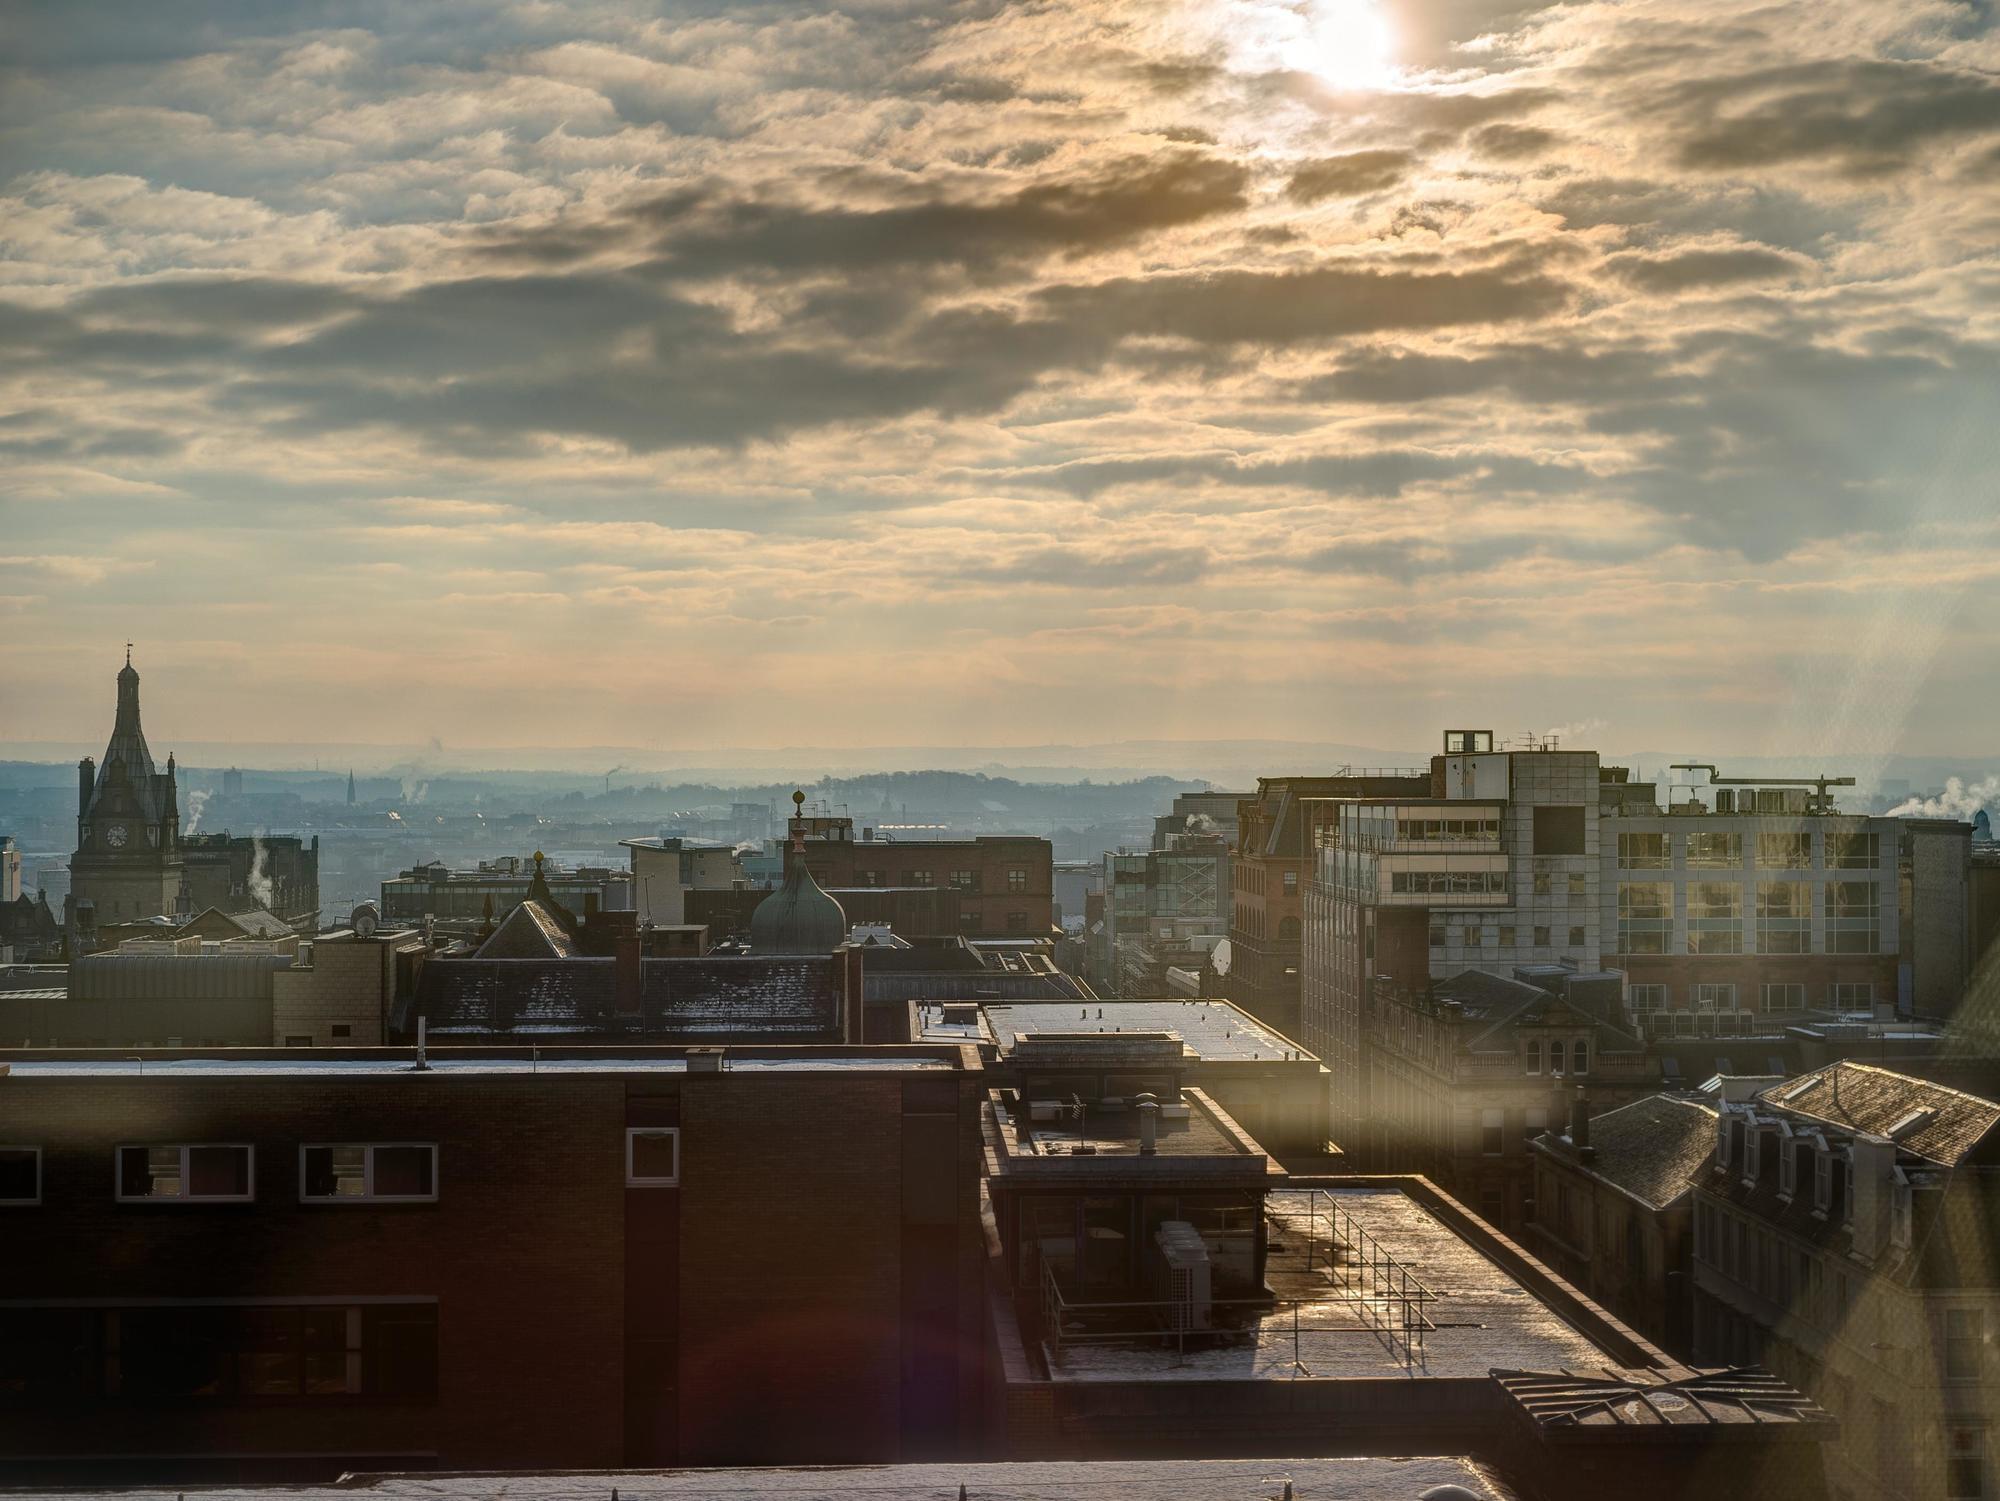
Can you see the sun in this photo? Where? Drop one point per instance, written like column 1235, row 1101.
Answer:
column 1345, row 42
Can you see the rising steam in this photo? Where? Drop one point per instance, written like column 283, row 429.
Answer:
column 196, row 802
column 259, row 883
column 1958, row 800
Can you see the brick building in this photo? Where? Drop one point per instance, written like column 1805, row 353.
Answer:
column 1278, row 831
column 259, row 1264
column 1005, row 882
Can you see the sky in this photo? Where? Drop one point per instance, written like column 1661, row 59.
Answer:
column 569, row 373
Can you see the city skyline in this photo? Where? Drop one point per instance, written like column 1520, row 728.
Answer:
column 984, row 375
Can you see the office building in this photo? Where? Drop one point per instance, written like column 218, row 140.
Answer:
column 1005, row 882
column 465, row 898
column 1164, row 909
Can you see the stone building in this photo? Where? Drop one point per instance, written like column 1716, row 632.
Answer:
column 128, row 861
column 1844, row 1237
column 1005, row 882
column 1614, row 1208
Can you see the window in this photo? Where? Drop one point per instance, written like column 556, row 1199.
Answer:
column 1715, row 916
column 1784, row 917
column 240, row 1352
column 1965, row 1465
column 1852, row 926
column 1017, row 879
column 1851, row 851
column 965, row 880
column 1964, row 1343
column 1645, row 916
column 1541, row 937
column 653, row 1157
column 1558, row 1057
column 1559, row 830
column 1017, row 922
column 1534, row 1055
column 342, row 1029
column 1852, row 994
column 1492, row 1132
column 1649, row 998
column 20, row 1176
column 1788, row 1169
column 918, row 878
column 1715, row 997
column 1706, row 851
column 1506, row 935
column 1543, row 884
column 868, row 878
column 212, row 1174
column 1449, row 882
column 1534, row 1121
column 1785, row 996
column 1643, row 852
column 355, row 1173
column 971, row 922
column 1291, row 882
column 1577, row 938
column 1784, row 852
column 1437, row 934
column 1579, row 1053
column 1576, row 885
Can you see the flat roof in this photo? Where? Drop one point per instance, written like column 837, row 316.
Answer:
column 1217, row 1030
column 220, row 1067
column 1379, row 1479
column 1484, row 1318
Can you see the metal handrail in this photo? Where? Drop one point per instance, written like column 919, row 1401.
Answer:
column 1391, row 1301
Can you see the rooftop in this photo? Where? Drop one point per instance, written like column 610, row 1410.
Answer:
column 1137, row 1480
column 1650, row 1147
column 1876, row 1101
column 251, row 1063
column 1192, row 1133
column 1215, row 1031
column 1563, row 1405
column 1330, row 1322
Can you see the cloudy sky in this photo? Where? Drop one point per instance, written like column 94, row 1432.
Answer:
column 769, row 373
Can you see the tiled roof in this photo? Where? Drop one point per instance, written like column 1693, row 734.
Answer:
column 1860, row 1097
column 688, row 999
column 1744, row 1402
column 1650, row 1147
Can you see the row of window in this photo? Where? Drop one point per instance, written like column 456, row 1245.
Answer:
column 1573, row 1059
column 1702, row 849
column 329, row 1173
column 220, row 1352
column 962, row 880
column 1787, row 995
column 1478, row 935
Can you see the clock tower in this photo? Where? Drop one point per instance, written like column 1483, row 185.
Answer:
column 127, row 864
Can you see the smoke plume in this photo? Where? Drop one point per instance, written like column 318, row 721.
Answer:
column 196, row 801
column 259, row 882
column 1958, row 800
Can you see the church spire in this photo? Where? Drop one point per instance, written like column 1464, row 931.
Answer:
column 128, row 740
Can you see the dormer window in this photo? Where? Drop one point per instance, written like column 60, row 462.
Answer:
column 1724, row 1131
column 1788, row 1169
column 1901, row 1211
column 1753, row 1155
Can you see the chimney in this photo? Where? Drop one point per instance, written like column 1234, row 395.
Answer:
column 1579, row 1122
column 590, row 906
column 851, row 995
column 86, row 776
column 1873, row 1192
column 704, row 1060
column 1149, row 1125
column 625, row 954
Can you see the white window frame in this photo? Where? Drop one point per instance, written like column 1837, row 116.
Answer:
column 632, row 1180
column 368, row 1194
column 184, row 1197
column 35, row 1202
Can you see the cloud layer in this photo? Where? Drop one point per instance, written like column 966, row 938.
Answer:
column 1002, row 371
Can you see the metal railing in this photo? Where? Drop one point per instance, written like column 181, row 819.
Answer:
column 1369, row 1292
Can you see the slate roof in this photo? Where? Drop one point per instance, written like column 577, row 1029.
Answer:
column 1859, row 1097
column 1651, row 1147
column 785, row 998
column 1506, row 1003
column 970, row 985
column 530, row 931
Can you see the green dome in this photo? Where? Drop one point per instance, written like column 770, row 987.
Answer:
column 797, row 918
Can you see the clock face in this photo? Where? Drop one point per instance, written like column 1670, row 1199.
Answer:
column 116, row 835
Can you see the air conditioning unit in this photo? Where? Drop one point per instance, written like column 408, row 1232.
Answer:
column 1189, row 1286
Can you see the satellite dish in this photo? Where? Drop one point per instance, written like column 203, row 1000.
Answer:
column 1220, row 957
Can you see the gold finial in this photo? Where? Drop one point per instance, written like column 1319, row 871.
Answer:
column 799, row 801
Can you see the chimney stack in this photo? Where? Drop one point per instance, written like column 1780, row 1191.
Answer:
column 1149, row 1125
column 1873, row 1193
column 1579, row 1121
column 625, row 953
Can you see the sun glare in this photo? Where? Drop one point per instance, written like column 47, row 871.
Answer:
column 1345, row 42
